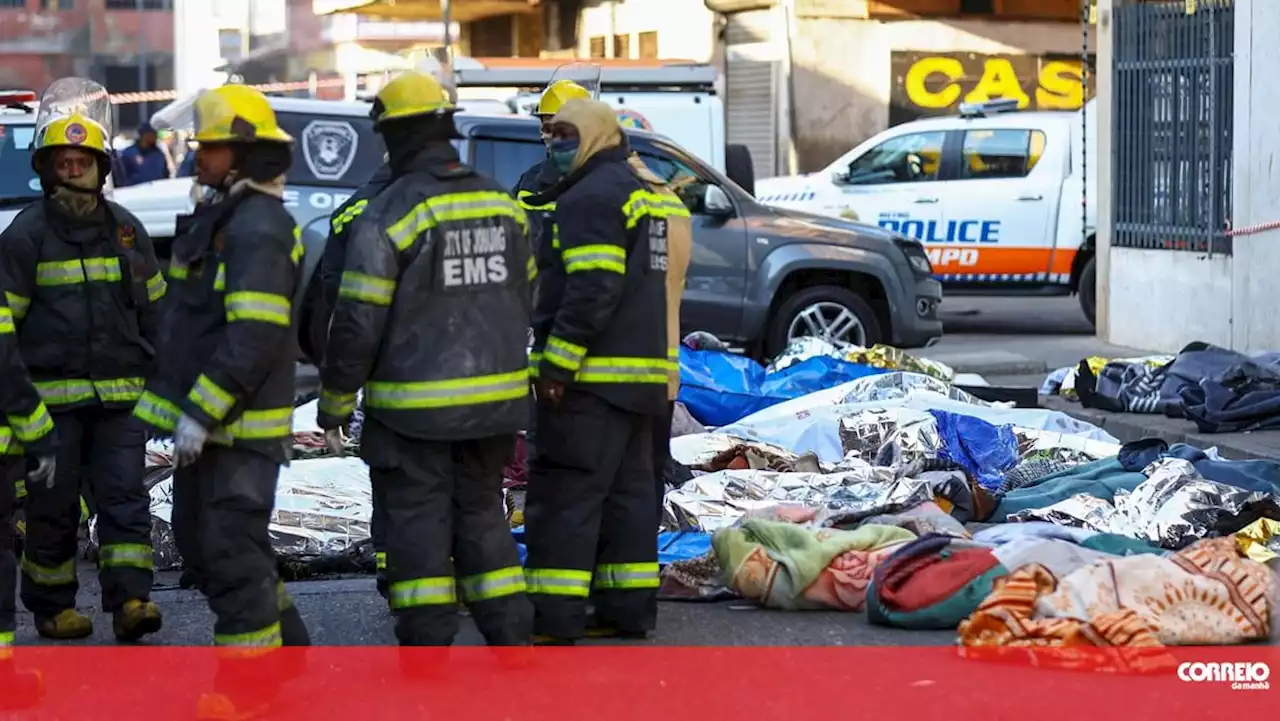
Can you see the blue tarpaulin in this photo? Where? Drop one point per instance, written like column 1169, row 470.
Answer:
column 987, row 451
column 720, row 388
column 672, row 546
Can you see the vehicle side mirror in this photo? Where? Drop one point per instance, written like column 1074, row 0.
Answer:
column 715, row 202
column 840, row 177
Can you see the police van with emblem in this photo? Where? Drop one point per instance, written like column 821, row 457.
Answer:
column 1002, row 200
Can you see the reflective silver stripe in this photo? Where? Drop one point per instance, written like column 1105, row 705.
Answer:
column 436, row 591
column 446, row 393
column 156, row 287
column 367, row 288
column 211, row 398
column 64, row 392
column 127, row 555
column 494, row 584
column 18, row 303
column 262, row 307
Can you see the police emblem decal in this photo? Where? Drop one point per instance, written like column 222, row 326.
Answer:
column 329, row 147
column 76, row 133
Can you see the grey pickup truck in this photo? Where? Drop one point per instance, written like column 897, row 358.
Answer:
column 759, row 276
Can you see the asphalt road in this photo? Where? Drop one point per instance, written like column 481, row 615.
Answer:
column 349, row 612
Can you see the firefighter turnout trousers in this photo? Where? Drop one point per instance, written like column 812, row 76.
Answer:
column 378, row 534
column 221, row 508
column 589, row 523
column 445, row 498
column 104, row 449
column 11, row 467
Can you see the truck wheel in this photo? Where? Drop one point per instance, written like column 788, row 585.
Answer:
column 826, row 311
column 739, row 167
column 1088, row 290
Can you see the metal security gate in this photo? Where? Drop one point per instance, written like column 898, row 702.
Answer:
column 751, row 87
column 1171, row 124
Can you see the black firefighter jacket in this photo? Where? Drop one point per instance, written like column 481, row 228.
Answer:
column 600, row 322
column 85, row 294
column 322, row 293
column 433, row 307
column 536, row 182
column 228, row 360
column 26, row 426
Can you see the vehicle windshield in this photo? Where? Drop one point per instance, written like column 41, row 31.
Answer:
column 18, row 182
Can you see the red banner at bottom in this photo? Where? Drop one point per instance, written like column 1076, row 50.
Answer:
column 651, row 683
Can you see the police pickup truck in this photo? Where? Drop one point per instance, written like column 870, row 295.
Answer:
column 995, row 196
column 758, row 277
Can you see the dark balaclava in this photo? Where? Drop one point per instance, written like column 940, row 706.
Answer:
column 407, row 138
column 261, row 162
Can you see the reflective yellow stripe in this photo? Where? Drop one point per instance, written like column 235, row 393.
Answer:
column 20, row 489
column 494, row 584
column 33, row 426
column 338, row 405
column 623, row 370
column 11, row 447
column 645, row 203
column 156, row 411
column 7, row 638
column 156, row 287
column 343, row 219
column 211, row 398
column 564, row 354
column 126, row 555
column 257, row 425
column 75, row 390
column 532, row 268
column 435, row 591
column 559, row 582
column 535, row 358
column 19, row 304
column 555, row 236
column 50, row 576
column 69, row 272
column 380, row 560
column 453, row 207
column 299, row 250
column 595, row 257
column 447, row 393
column 247, row 305
column 366, row 288
column 523, row 194
column 6, row 321
column 177, row 271
column 220, row 278
column 284, row 601
column 627, row 576
column 268, row 637
column 673, row 359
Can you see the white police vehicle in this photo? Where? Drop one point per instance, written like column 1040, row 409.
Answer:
column 18, row 182
column 994, row 195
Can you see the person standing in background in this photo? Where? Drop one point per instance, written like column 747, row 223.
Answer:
column 144, row 161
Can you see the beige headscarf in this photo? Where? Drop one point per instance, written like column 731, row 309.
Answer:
column 76, row 203
column 597, row 126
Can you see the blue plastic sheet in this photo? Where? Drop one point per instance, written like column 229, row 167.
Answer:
column 672, row 546
column 720, row 388
column 985, row 450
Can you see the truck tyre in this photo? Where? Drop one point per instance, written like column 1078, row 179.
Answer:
column 841, row 310
column 739, row 168
column 1088, row 290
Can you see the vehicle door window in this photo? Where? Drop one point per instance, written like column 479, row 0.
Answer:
column 990, row 154
column 18, row 182
column 506, row 160
column 687, row 183
column 905, row 159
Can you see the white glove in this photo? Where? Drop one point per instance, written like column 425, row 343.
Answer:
column 333, row 441
column 46, row 467
column 188, row 440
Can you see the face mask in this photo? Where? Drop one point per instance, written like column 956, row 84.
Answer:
column 562, row 153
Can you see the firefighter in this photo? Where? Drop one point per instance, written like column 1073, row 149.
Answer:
column 317, row 310
column 540, row 179
column 83, row 286
column 26, row 424
column 225, row 382
column 432, row 322
column 600, row 357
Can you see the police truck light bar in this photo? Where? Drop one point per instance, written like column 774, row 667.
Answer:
column 17, row 97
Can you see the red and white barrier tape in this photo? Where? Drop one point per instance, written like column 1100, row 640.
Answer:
column 1252, row 229
column 155, row 95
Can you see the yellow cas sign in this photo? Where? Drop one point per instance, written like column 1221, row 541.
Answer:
column 937, row 83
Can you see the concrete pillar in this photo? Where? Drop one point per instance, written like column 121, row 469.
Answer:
column 1104, row 85
column 195, row 47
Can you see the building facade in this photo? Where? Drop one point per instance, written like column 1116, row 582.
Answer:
column 125, row 44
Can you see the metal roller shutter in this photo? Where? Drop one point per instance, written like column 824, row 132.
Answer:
column 751, row 88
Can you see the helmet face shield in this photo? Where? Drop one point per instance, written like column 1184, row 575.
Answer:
column 75, row 112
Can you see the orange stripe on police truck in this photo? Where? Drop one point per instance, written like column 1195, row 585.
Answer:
column 954, row 259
